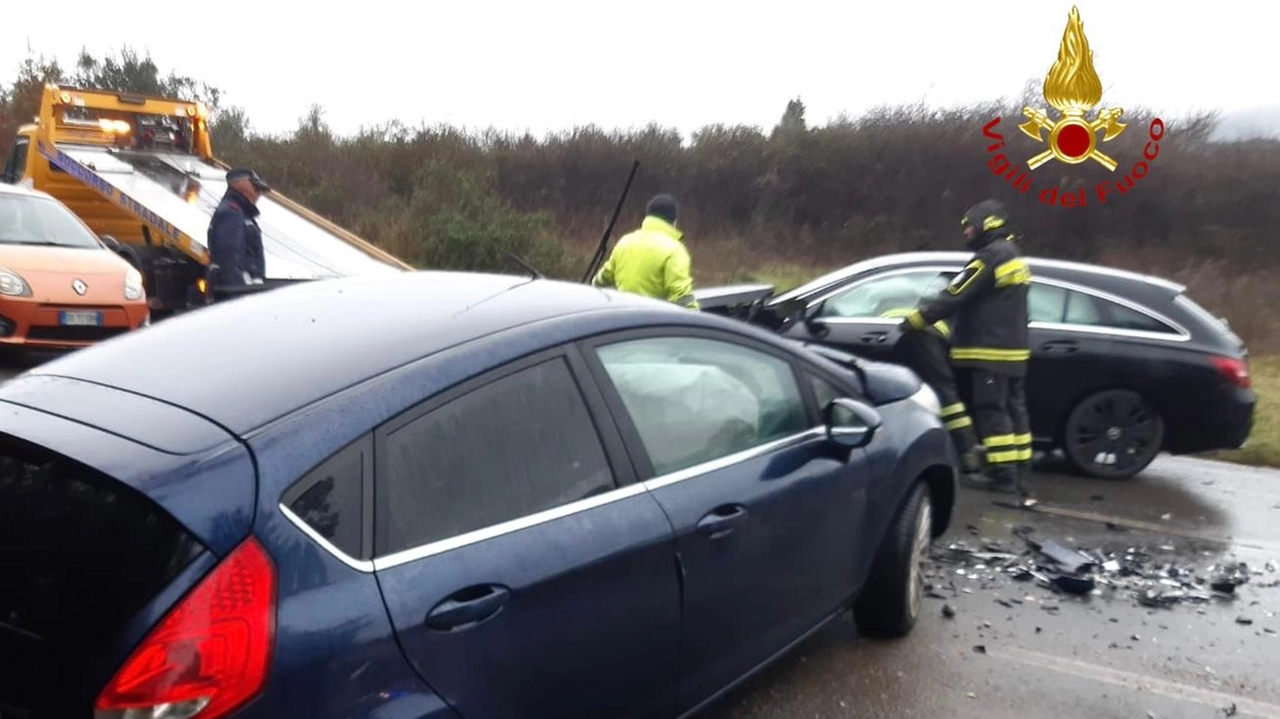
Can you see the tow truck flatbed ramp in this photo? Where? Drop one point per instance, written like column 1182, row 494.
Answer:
column 179, row 192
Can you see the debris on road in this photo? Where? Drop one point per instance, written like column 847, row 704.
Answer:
column 1055, row 565
column 1230, row 578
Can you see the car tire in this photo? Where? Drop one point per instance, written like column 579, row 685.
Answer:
column 1118, row 423
column 893, row 595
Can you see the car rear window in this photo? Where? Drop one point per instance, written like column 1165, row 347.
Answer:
column 80, row 552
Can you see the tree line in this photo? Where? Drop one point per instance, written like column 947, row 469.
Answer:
column 757, row 203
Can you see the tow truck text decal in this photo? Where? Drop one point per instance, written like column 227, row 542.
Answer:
column 88, row 177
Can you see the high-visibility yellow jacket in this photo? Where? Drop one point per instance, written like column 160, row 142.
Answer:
column 651, row 261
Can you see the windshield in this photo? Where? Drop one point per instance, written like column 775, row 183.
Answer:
column 26, row 220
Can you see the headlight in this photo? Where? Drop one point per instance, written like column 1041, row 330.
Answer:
column 133, row 285
column 927, row 398
column 12, row 284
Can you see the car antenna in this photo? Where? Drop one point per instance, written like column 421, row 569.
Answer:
column 598, row 258
column 534, row 274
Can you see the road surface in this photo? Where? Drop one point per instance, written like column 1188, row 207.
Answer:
column 1094, row 657
column 1098, row 656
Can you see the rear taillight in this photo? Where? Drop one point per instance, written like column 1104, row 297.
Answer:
column 210, row 653
column 1236, row 370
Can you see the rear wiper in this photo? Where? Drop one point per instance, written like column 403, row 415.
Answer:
column 533, row 272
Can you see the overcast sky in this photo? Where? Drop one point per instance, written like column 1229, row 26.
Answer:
column 553, row 64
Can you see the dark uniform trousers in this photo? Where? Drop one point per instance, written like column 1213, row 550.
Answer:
column 927, row 354
column 999, row 401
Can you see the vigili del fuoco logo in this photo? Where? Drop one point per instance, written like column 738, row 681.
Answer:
column 1073, row 88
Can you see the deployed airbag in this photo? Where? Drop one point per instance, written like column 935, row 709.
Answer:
column 687, row 413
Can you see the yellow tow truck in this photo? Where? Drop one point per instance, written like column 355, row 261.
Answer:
column 140, row 171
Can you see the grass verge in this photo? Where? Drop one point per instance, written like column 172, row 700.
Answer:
column 1263, row 448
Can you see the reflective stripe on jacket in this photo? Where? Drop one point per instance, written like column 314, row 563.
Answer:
column 988, row 301
column 651, row 261
column 940, row 328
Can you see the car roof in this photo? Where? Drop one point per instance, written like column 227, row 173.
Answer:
column 1055, row 267
column 251, row 360
column 23, row 191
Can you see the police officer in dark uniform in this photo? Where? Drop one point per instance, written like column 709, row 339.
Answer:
column 990, row 343
column 235, row 240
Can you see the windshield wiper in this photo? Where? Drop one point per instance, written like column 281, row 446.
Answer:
column 41, row 243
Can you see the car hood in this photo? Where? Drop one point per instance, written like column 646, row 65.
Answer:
column 884, row 382
column 51, row 272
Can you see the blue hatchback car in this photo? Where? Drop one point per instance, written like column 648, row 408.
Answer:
column 448, row 495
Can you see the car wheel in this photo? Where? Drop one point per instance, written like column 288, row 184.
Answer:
column 1113, row 434
column 890, row 602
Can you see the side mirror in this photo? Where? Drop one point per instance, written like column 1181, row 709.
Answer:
column 850, row 423
column 810, row 317
column 111, row 242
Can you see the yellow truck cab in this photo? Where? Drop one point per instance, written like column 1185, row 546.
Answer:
column 140, row 171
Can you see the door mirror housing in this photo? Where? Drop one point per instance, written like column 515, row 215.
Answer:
column 810, row 316
column 111, row 242
column 850, row 423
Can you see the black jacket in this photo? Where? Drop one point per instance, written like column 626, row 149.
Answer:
column 987, row 302
column 235, row 242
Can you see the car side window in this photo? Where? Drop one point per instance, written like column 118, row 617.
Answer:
column 17, row 163
column 823, row 391
column 1087, row 310
column 876, row 297
column 330, row 499
column 694, row 400
column 1046, row 303
column 522, row 444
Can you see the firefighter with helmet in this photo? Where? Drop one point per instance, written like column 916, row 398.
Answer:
column 987, row 303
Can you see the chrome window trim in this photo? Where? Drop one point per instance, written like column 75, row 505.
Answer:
column 359, row 565
column 492, row 531
column 878, row 276
column 1179, row 333
column 954, row 256
column 680, row 475
column 441, row 546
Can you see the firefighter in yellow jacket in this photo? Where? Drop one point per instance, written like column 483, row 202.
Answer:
column 652, row 261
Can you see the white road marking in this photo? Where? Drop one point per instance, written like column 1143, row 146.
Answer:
column 1139, row 682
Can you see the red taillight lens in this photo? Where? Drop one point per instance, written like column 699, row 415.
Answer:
column 210, row 653
column 1236, row 370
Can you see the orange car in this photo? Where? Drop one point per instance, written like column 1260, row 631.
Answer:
column 60, row 286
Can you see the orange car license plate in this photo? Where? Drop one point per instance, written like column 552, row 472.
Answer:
column 80, row 319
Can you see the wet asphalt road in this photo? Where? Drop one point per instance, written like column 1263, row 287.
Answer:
column 1097, row 656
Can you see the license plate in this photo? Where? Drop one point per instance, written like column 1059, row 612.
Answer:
column 80, row 319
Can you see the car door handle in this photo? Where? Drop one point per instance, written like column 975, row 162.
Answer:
column 875, row 337
column 1060, row 346
column 467, row 608
column 722, row 520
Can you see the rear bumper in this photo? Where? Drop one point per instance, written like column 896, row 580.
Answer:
column 1224, row 426
column 39, row 326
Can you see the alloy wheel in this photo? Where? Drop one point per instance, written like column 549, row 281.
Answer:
column 920, row 554
column 1114, row 434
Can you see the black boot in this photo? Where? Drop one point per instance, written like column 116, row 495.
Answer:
column 996, row 479
column 971, row 462
column 1024, row 474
